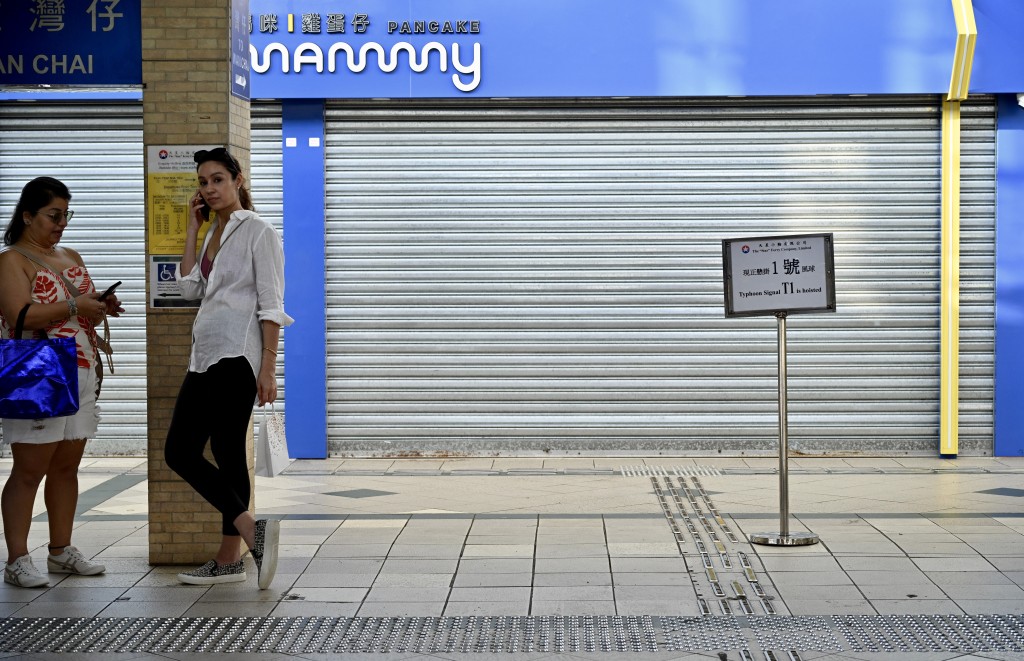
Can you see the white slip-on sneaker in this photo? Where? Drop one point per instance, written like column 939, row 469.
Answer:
column 23, row 573
column 71, row 561
column 264, row 551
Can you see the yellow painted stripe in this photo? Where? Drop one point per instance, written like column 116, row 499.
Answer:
column 963, row 53
column 291, row 22
column 949, row 413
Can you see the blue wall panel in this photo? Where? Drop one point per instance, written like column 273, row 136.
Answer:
column 303, row 186
column 1009, row 395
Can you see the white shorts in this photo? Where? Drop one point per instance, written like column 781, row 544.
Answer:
column 65, row 428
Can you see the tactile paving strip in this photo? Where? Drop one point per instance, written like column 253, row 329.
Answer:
column 797, row 632
column 662, row 471
column 773, row 637
column 932, row 633
column 707, row 542
column 700, row 634
column 299, row 635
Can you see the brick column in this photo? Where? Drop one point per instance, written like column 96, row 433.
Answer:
column 186, row 68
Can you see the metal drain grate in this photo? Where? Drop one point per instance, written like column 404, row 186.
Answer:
column 783, row 636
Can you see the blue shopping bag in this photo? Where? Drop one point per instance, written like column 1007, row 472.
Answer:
column 38, row 378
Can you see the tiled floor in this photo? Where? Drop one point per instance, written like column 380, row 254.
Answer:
column 545, row 537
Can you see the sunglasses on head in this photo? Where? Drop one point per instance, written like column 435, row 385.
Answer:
column 220, row 154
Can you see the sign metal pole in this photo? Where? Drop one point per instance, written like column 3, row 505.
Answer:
column 780, row 275
column 783, row 537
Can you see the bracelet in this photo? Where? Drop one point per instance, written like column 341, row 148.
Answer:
column 72, row 308
column 270, row 350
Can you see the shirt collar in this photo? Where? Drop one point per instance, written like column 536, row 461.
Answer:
column 240, row 216
column 235, row 219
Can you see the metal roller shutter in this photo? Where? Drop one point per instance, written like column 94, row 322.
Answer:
column 96, row 149
column 266, row 184
column 546, row 276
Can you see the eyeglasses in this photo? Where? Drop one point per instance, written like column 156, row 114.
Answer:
column 56, row 216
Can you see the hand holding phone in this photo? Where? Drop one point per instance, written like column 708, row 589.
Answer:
column 110, row 290
column 204, row 208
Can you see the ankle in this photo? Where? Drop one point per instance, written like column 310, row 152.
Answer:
column 228, row 554
column 56, row 550
column 245, row 524
column 226, row 561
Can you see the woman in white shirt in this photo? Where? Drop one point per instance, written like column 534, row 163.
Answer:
column 239, row 277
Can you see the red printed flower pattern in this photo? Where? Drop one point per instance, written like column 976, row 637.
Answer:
column 50, row 289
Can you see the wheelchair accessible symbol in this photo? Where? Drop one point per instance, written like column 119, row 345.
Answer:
column 164, row 290
column 165, row 272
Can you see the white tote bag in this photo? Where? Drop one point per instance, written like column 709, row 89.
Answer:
column 271, row 446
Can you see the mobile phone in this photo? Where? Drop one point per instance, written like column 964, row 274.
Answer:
column 110, row 290
column 205, row 209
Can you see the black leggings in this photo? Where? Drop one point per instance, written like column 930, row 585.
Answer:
column 215, row 405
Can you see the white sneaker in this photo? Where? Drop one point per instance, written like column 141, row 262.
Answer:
column 71, row 561
column 264, row 551
column 24, row 574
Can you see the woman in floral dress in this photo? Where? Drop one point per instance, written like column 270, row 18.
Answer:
column 53, row 283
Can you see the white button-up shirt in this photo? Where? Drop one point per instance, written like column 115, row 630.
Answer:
column 246, row 286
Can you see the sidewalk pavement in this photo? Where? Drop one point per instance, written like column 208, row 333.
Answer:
column 534, row 558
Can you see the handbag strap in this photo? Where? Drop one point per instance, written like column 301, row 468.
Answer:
column 67, row 283
column 263, row 419
column 19, row 327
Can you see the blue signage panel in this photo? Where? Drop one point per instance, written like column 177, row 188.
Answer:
column 70, row 42
column 545, row 48
column 240, row 18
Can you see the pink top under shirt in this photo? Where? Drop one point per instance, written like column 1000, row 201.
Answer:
column 205, row 266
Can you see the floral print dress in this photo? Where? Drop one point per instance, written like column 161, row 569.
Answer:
column 50, row 288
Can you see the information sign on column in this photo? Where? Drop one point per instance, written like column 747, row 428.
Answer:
column 171, row 182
